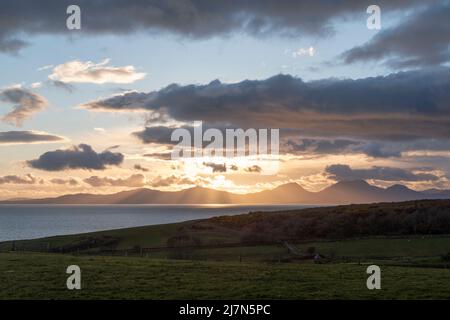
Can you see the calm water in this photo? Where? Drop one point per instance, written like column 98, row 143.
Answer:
column 35, row 221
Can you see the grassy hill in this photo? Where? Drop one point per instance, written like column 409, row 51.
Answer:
column 246, row 257
column 413, row 218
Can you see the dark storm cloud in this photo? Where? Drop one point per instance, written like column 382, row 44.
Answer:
column 399, row 106
column 78, row 157
column 162, row 134
column 25, row 103
column 378, row 150
column 159, row 135
column 386, row 149
column 291, row 142
column 320, row 146
column 340, row 172
column 16, row 137
column 341, row 146
column 188, row 18
column 135, row 181
column 422, row 40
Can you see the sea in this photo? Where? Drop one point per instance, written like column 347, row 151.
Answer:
column 18, row 222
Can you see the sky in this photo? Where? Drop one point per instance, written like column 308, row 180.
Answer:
column 92, row 109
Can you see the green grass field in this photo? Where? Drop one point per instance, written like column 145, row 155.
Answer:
column 42, row 276
column 210, row 259
column 411, row 269
column 418, row 246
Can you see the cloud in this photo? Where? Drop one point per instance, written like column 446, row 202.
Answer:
column 141, row 168
column 391, row 149
column 253, row 169
column 321, row 146
column 78, row 157
column 304, row 52
column 11, row 45
column 49, row 66
column 159, row 181
column 162, row 134
column 19, row 137
column 62, row 85
column 116, row 146
column 25, row 102
column 159, row 155
column 90, row 72
column 377, row 150
column 70, row 182
column 158, row 134
column 422, row 39
column 13, row 179
column 186, row 18
column 373, row 149
column 135, row 181
column 292, row 142
column 340, row 172
column 400, row 106
column 216, row 167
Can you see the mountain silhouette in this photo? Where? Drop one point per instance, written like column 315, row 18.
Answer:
column 344, row 192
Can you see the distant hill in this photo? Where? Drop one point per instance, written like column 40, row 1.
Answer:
column 411, row 218
column 344, row 192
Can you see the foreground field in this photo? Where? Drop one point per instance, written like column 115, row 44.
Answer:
column 316, row 253
column 42, row 276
